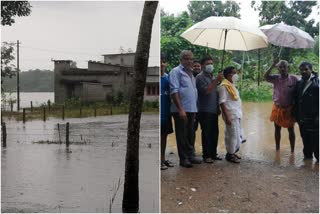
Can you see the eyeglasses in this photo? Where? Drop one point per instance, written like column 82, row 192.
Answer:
column 188, row 59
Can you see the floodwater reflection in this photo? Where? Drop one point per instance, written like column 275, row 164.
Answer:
column 260, row 143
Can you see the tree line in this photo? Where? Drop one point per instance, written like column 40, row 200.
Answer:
column 270, row 12
column 31, row 81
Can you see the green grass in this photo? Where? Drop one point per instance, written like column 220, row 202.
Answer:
column 251, row 92
column 73, row 112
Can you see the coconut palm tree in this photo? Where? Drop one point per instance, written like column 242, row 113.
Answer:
column 130, row 202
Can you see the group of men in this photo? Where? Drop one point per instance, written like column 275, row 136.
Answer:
column 191, row 95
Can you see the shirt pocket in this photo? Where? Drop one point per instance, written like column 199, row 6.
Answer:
column 185, row 81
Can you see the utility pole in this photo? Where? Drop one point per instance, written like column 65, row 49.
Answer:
column 18, row 84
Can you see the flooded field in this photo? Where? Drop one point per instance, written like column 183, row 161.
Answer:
column 46, row 178
column 264, row 181
column 259, row 132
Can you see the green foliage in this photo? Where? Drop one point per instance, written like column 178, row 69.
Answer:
column 31, row 81
column 172, row 45
column 72, row 102
column 199, row 10
column 251, row 92
column 119, row 98
column 307, row 56
column 291, row 13
column 10, row 9
column 150, row 104
column 7, row 68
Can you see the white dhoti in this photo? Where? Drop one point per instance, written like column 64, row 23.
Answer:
column 232, row 136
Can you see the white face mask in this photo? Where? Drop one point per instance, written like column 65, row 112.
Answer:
column 208, row 68
column 235, row 78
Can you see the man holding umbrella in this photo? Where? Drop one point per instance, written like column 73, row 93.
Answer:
column 282, row 109
column 208, row 104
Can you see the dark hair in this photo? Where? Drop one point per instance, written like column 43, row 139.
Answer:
column 205, row 58
column 227, row 71
column 163, row 56
column 306, row 64
column 196, row 61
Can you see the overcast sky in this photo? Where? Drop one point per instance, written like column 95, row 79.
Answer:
column 247, row 13
column 78, row 31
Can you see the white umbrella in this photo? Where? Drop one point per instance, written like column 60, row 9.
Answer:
column 225, row 33
column 287, row 36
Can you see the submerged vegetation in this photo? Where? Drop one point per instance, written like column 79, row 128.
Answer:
column 73, row 108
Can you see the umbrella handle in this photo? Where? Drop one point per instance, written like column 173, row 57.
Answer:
column 222, row 61
column 224, row 48
column 279, row 52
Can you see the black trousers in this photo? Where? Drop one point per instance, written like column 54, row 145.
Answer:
column 310, row 139
column 184, row 130
column 209, row 133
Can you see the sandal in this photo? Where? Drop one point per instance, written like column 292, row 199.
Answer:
column 232, row 158
column 163, row 166
column 208, row 160
column 237, row 156
column 168, row 163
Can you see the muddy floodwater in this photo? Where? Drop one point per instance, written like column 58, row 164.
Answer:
column 259, row 132
column 44, row 177
column 264, row 181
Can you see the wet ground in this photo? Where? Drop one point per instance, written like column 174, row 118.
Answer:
column 46, row 178
column 264, row 181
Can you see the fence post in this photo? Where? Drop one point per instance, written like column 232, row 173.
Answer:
column 11, row 105
column 24, row 115
column 111, row 110
column 44, row 114
column 63, row 112
column 49, row 105
column 95, row 111
column 59, row 133
column 80, row 111
column 4, row 134
column 31, row 106
column 67, row 135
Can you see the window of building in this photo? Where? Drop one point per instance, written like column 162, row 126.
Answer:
column 153, row 90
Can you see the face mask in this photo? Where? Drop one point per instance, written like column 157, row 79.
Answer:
column 208, row 68
column 235, row 78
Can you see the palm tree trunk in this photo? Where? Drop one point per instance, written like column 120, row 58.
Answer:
column 130, row 202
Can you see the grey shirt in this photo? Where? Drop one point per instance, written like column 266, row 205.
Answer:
column 206, row 102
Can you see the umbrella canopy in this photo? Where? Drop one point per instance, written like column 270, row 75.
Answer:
column 225, row 33
column 287, row 36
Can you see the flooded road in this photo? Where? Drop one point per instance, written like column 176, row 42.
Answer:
column 45, row 178
column 259, row 132
column 264, row 181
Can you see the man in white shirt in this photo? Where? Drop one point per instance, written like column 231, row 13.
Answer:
column 230, row 103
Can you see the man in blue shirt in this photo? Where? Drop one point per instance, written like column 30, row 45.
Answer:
column 208, row 109
column 184, row 95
